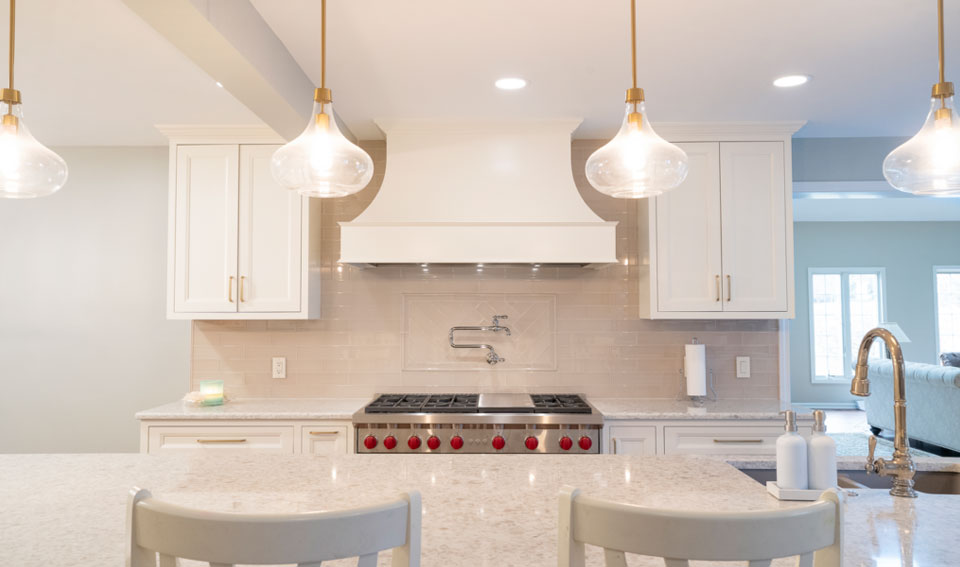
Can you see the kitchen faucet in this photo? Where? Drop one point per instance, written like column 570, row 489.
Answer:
column 901, row 465
column 496, row 327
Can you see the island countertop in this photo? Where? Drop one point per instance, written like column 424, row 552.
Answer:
column 478, row 510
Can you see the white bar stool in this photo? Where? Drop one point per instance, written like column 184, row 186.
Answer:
column 814, row 532
column 156, row 528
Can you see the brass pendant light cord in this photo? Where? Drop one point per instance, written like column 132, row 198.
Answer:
column 323, row 43
column 633, row 38
column 940, row 35
column 13, row 8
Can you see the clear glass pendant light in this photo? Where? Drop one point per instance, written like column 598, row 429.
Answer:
column 636, row 163
column 28, row 169
column 322, row 162
column 929, row 163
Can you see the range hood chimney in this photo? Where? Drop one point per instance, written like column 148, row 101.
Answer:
column 469, row 192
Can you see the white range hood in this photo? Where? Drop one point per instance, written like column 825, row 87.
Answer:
column 468, row 192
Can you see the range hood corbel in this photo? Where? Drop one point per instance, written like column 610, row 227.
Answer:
column 478, row 192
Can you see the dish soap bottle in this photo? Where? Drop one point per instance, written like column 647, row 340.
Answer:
column 822, row 455
column 791, row 456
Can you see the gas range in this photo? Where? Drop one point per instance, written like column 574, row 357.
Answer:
column 478, row 423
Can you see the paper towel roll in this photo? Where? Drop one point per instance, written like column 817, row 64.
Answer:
column 695, row 369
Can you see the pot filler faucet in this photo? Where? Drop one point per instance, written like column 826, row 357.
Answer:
column 901, row 465
column 496, row 327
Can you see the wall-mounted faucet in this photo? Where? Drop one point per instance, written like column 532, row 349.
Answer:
column 496, row 327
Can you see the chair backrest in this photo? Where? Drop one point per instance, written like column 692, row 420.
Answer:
column 156, row 528
column 814, row 532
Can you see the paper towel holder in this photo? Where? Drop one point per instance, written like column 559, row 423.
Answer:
column 698, row 400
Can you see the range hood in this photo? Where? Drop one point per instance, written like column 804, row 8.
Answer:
column 472, row 192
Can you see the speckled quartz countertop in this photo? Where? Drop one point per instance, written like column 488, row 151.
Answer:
column 640, row 408
column 261, row 408
column 478, row 510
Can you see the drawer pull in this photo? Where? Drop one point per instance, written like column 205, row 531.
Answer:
column 738, row 440
column 221, row 441
column 324, row 433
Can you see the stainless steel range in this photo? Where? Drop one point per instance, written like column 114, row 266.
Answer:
column 478, row 423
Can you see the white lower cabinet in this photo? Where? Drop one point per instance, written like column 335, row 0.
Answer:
column 700, row 437
column 324, row 439
column 632, row 440
column 334, row 437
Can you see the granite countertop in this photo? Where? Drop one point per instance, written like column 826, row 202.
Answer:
column 845, row 463
column 640, row 408
column 260, row 408
column 477, row 509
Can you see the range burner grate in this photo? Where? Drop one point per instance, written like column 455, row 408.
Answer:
column 468, row 403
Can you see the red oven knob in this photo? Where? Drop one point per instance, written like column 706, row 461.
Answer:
column 433, row 442
column 499, row 442
column 531, row 443
column 390, row 442
column 456, row 442
column 566, row 443
column 413, row 442
column 585, row 443
column 370, row 442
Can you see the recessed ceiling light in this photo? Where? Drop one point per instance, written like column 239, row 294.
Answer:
column 791, row 81
column 510, row 83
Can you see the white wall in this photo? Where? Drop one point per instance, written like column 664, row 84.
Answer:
column 84, row 343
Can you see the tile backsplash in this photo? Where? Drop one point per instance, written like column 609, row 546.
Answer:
column 386, row 329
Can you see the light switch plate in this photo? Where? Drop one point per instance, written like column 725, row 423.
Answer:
column 743, row 367
column 279, row 367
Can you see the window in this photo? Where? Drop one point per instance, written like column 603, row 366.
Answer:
column 844, row 305
column 948, row 309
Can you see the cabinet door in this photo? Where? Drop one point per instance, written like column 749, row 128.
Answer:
column 688, row 236
column 633, row 440
column 753, row 219
column 269, row 237
column 721, row 440
column 205, row 263
column 323, row 439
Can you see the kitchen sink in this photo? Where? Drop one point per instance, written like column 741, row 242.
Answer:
column 929, row 482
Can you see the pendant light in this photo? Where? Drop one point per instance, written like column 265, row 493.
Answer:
column 27, row 168
column 929, row 163
column 321, row 162
column 636, row 163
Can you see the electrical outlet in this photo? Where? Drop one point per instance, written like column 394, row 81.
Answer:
column 743, row 367
column 279, row 367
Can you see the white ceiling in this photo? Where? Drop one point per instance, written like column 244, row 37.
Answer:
column 93, row 73
column 873, row 61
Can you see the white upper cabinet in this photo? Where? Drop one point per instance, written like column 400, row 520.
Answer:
column 239, row 243
column 720, row 246
column 269, row 265
column 688, row 242
column 753, row 216
column 206, row 229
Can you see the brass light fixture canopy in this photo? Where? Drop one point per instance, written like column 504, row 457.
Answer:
column 322, row 95
column 10, row 96
column 635, row 95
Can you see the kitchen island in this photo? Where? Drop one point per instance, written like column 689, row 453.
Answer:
column 478, row 510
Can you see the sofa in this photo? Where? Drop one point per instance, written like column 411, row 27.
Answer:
column 933, row 401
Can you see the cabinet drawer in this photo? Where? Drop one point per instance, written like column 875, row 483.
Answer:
column 324, row 439
column 721, row 440
column 633, row 440
column 260, row 439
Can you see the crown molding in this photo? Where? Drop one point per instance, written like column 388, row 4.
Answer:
column 219, row 134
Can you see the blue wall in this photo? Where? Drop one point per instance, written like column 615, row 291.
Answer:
column 908, row 251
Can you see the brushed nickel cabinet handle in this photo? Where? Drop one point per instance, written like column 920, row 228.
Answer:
column 230, row 289
column 206, row 441
column 738, row 440
column 718, row 287
column 729, row 288
column 324, row 433
column 241, row 288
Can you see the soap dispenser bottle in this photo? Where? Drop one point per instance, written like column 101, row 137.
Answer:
column 791, row 456
column 821, row 455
